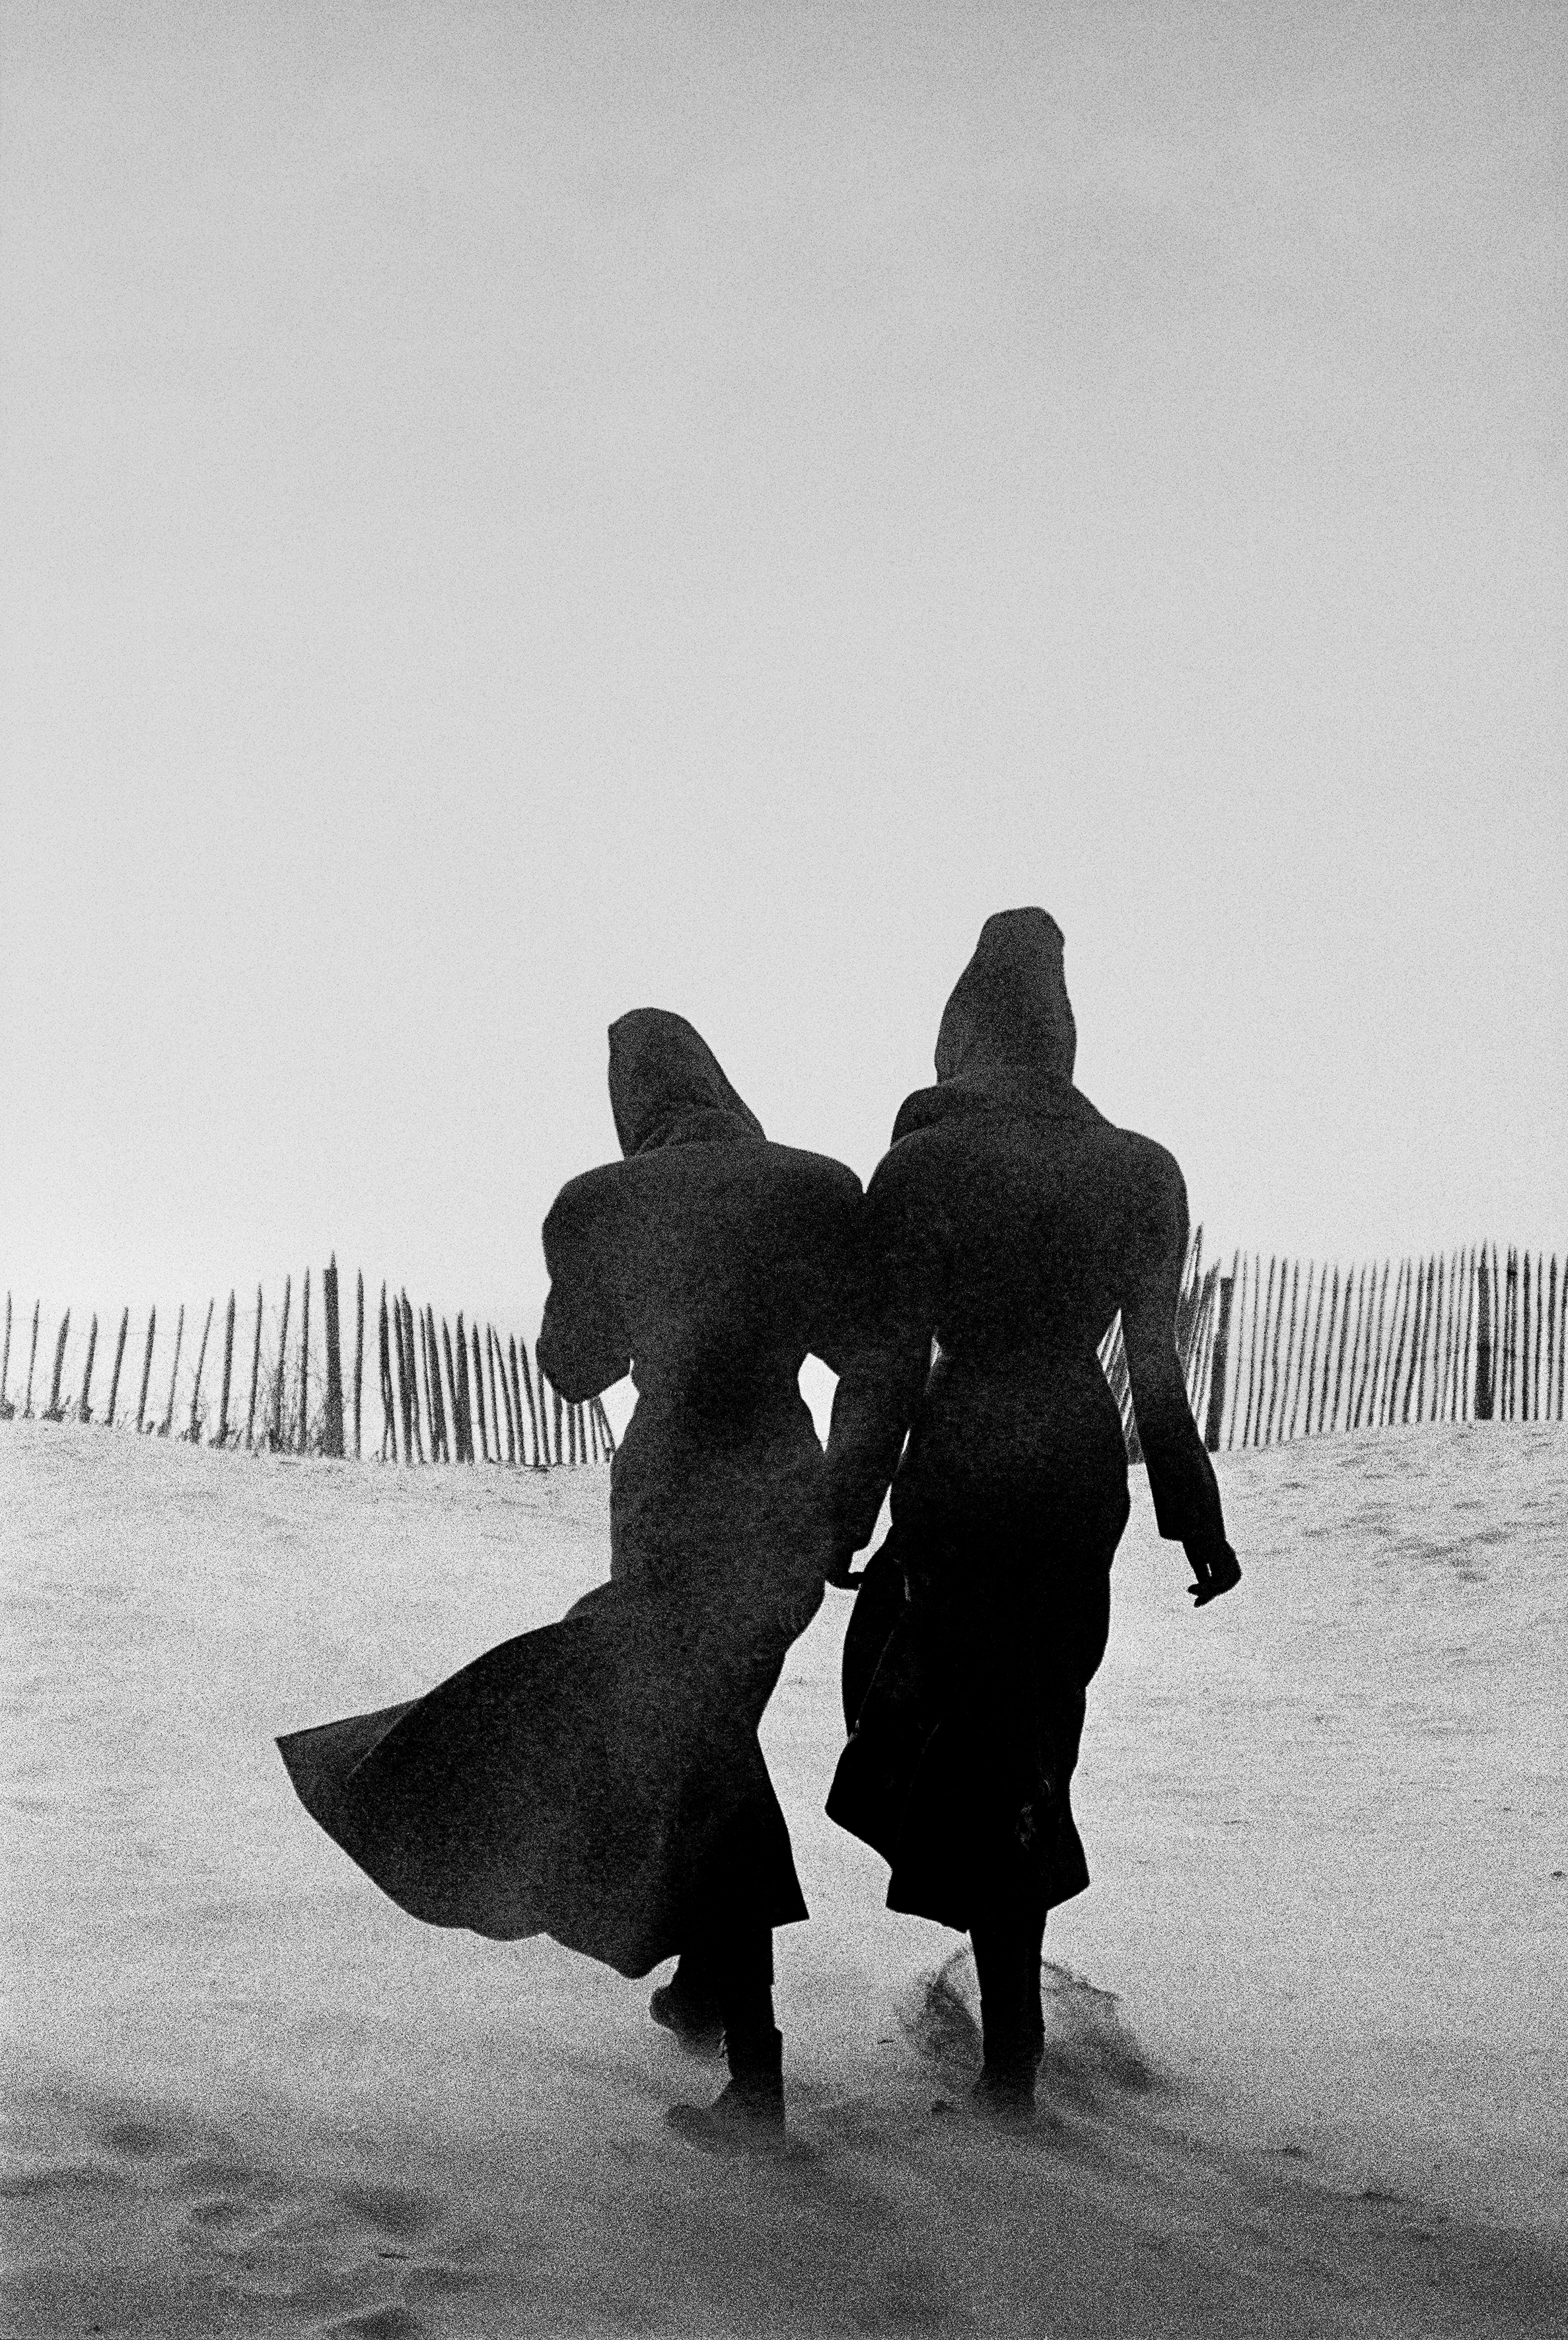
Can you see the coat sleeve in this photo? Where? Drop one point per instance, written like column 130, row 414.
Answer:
column 1181, row 1477
column 582, row 1342
column 835, row 1235
column 891, row 1305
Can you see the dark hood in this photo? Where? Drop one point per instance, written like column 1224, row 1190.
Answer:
column 1007, row 1040
column 667, row 1087
column 1009, row 1009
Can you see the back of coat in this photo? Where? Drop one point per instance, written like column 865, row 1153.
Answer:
column 708, row 1271
column 1009, row 1236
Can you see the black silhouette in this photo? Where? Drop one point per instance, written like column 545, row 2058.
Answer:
column 601, row 1779
column 1002, row 1231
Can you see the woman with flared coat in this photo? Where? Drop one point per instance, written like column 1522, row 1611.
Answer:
column 1001, row 1236
column 601, row 1779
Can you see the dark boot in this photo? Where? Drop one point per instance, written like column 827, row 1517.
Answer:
column 1007, row 1963
column 687, row 2005
column 749, row 2116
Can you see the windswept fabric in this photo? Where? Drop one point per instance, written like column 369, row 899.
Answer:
column 601, row 1779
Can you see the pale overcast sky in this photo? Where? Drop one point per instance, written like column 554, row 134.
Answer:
column 512, row 514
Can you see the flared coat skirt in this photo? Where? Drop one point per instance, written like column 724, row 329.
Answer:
column 600, row 1779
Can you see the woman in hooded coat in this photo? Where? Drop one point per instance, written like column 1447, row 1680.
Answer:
column 601, row 1779
column 1001, row 1233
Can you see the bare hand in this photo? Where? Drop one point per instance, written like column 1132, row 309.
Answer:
column 1218, row 1570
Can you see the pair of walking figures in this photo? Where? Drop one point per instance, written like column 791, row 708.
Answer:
column 601, row 1779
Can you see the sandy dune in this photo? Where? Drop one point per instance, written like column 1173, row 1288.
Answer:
column 1309, row 2063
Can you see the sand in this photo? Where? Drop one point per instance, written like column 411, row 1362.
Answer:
column 1309, row 2052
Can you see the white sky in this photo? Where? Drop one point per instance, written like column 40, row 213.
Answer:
column 511, row 515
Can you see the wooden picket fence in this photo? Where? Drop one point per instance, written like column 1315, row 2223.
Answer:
column 1276, row 1354
column 1464, row 1336
column 432, row 1388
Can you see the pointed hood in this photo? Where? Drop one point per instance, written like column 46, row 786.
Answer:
column 1009, row 1009
column 1007, row 1040
column 667, row 1087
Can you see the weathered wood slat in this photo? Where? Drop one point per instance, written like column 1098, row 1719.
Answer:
column 119, row 1356
column 332, row 1417
column 84, row 1409
column 223, row 1437
column 146, row 1367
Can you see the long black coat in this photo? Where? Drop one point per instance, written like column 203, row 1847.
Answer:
column 1001, row 1236
column 601, row 1779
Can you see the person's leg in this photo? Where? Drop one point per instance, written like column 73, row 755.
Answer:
column 1008, row 1940
column 750, row 2110
column 687, row 2003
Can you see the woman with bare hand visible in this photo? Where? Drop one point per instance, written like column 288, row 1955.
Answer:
column 1001, row 1234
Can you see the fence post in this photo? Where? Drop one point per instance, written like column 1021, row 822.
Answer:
column 6, row 1408
column 1238, row 1303
column 1348, row 1344
column 115, row 1378
column 54, row 1411
column 193, row 1428
column 430, row 1390
column 84, row 1411
column 32, row 1353
column 167, row 1423
column 405, row 1315
column 402, row 1400
column 494, row 1414
column 526, row 1386
column 465, row 1397
column 305, row 1367
column 454, row 1424
column 1431, row 1332
column 407, row 1388
column 497, row 1356
column 440, row 1449
column 1398, row 1319
column 146, row 1369
column 431, row 1383
column 1483, row 1343
column 1329, row 1353
column 1306, row 1373
column 1426, row 1270
column 1266, row 1422
column 333, row 1423
column 359, row 1351
column 255, row 1376
column 478, row 1391
column 416, row 1404
column 1258, row 1317
column 223, row 1437
column 1373, row 1308
column 1216, row 1375
column 389, row 1429
column 281, row 1377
